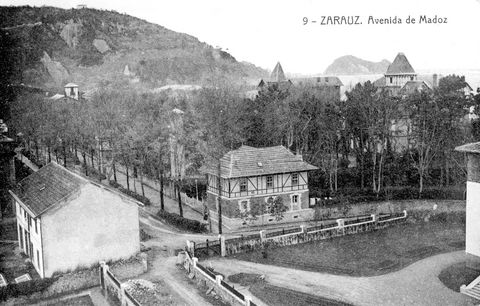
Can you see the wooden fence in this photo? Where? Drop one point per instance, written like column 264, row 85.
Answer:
column 114, row 288
column 203, row 275
column 290, row 236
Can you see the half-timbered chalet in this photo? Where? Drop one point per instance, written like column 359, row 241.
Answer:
column 251, row 178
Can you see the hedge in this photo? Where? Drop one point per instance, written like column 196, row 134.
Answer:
column 181, row 222
column 13, row 290
column 354, row 195
column 133, row 194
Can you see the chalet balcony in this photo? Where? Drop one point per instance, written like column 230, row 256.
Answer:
column 257, row 192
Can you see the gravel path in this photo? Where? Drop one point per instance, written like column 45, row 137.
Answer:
column 417, row 284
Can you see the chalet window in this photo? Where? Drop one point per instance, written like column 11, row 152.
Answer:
column 411, row 78
column 29, row 222
column 38, row 259
column 294, row 179
column 243, row 185
column 36, row 228
column 25, row 215
column 270, row 181
column 295, row 199
column 391, row 80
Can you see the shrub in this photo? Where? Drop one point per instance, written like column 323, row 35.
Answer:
column 25, row 288
column 146, row 201
column 183, row 223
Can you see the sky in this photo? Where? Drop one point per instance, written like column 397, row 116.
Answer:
column 264, row 32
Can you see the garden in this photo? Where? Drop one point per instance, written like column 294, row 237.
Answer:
column 372, row 253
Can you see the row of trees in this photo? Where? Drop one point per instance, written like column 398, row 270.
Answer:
column 370, row 140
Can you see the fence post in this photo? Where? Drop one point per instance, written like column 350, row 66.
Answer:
column 223, row 250
column 218, row 279
column 341, row 224
column 374, row 218
column 123, row 301
column 247, row 300
column 303, row 229
column 405, row 213
column 262, row 236
column 195, row 261
column 102, row 274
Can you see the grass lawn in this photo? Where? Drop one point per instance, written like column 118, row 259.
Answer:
column 368, row 254
column 457, row 275
column 273, row 295
column 83, row 300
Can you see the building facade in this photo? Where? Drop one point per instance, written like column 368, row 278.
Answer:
column 253, row 180
column 65, row 221
column 472, row 228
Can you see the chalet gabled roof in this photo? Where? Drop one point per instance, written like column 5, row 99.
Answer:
column 277, row 74
column 249, row 161
column 52, row 185
column 71, row 85
column 400, row 65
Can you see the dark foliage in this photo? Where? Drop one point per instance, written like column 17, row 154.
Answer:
column 183, row 223
column 14, row 290
column 133, row 194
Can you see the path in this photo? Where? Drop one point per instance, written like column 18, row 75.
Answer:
column 417, row 284
column 165, row 268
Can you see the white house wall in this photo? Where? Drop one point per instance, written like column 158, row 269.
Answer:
column 472, row 243
column 35, row 236
column 96, row 225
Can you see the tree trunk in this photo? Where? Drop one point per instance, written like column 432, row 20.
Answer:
column 56, row 155
column 84, row 155
column 49, row 154
column 128, row 179
column 219, row 182
column 91, row 158
column 114, row 171
column 64, row 155
column 162, row 200
column 141, row 182
column 180, row 208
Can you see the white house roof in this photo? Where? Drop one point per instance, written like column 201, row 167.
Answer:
column 51, row 185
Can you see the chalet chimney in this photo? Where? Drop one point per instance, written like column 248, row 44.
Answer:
column 435, row 80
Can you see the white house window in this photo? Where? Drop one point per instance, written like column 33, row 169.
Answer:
column 391, row 80
column 295, row 199
column 244, row 206
column 270, row 181
column 294, row 179
column 243, row 184
column 36, row 228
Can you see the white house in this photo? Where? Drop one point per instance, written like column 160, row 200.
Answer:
column 66, row 221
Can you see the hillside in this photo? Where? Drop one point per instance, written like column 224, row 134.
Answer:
column 48, row 47
column 351, row 65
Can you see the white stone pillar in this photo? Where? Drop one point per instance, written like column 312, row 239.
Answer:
column 195, row 261
column 223, row 250
column 374, row 218
column 218, row 279
column 405, row 213
column 247, row 300
column 262, row 236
